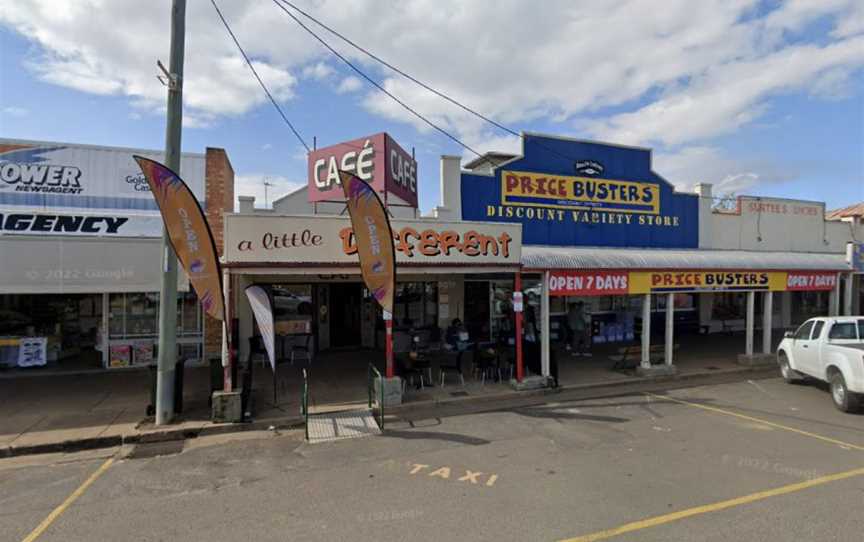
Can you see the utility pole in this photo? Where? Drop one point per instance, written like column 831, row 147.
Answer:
column 168, row 289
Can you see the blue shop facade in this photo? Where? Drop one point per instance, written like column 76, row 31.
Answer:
column 602, row 229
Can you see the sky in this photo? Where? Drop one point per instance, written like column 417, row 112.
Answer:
column 759, row 98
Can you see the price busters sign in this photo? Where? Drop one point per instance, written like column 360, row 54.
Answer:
column 594, row 283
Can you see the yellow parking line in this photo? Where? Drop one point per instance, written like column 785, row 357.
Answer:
column 68, row 502
column 714, row 507
column 758, row 420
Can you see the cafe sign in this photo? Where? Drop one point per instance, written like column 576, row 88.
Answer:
column 376, row 159
column 330, row 240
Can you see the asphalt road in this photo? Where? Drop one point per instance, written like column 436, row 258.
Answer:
column 554, row 472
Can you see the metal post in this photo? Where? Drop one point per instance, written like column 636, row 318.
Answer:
column 227, row 360
column 545, row 340
column 748, row 325
column 646, row 331
column 168, row 288
column 670, row 328
column 767, row 315
column 388, row 346
column 520, row 367
column 834, row 299
column 847, row 295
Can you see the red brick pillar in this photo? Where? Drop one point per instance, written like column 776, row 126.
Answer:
column 219, row 193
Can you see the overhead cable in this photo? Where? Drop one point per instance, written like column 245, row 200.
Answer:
column 258, row 77
column 372, row 81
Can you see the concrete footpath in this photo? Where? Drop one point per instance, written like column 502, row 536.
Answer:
column 68, row 412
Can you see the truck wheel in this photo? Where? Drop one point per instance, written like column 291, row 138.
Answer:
column 844, row 400
column 790, row 375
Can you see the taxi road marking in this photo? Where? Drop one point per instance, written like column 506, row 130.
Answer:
column 758, row 420
column 714, row 507
column 470, row 476
column 37, row 532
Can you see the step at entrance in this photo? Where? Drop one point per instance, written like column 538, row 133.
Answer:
column 330, row 426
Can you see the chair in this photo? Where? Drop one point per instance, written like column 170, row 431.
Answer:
column 301, row 349
column 408, row 373
column 454, row 367
column 257, row 350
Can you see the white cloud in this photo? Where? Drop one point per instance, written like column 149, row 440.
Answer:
column 253, row 185
column 266, row 146
column 14, row 111
column 349, row 84
column 685, row 72
column 687, row 166
column 318, row 71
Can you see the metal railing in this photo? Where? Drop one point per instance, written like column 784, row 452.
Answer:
column 304, row 403
column 374, row 373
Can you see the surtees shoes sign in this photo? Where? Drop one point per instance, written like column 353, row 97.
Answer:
column 578, row 193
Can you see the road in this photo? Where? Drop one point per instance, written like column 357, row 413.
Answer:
column 743, row 461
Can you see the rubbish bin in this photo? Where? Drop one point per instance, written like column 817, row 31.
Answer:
column 179, row 367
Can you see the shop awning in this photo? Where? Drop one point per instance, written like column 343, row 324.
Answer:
column 548, row 257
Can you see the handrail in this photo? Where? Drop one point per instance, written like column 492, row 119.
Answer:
column 304, row 403
column 373, row 371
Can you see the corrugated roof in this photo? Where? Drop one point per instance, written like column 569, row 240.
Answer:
column 547, row 257
column 856, row 209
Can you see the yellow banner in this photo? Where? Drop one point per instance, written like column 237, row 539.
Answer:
column 643, row 282
column 374, row 239
column 587, row 193
column 189, row 234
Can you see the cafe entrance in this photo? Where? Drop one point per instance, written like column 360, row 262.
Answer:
column 346, row 301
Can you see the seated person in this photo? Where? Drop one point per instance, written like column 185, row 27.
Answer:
column 455, row 334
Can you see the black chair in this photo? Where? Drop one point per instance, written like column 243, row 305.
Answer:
column 453, row 365
column 301, row 347
column 409, row 373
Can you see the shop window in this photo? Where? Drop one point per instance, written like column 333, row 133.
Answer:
column 415, row 305
column 292, row 308
column 809, row 305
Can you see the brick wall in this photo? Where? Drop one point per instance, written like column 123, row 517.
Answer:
column 219, row 191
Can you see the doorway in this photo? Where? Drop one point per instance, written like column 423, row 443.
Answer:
column 477, row 309
column 345, row 302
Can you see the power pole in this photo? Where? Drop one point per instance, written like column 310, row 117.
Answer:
column 267, row 184
column 168, row 289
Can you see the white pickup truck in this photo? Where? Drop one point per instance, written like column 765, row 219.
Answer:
column 831, row 350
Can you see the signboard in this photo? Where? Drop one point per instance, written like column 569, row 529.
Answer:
column 85, row 265
column 576, row 193
column 518, row 302
column 32, row 351
column 82, row 180
column 330, row 239
column 588, row 283
column 706, row 281
column 28, row 222
column 376, row 159
column 803, row 281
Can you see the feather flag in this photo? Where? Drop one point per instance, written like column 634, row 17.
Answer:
column 189, row 233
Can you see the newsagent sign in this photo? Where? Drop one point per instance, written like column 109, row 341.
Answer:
column 330, row 240
column 376, row 159
column 595, row 283
column 578, row 193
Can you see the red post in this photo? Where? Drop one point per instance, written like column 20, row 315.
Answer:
column 520, row 370
column 388, row 345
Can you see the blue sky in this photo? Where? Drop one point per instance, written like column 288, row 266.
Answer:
column 763, row 98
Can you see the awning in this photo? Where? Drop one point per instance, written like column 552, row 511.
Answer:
column 81, row 265
column 547, row 257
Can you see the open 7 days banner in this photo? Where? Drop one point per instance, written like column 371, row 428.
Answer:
column 596, row 283
column 374, row 239
column 189, row 234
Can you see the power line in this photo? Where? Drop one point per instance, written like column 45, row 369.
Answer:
column 372, row 81
column 258, row 77
column 412, row 79
column 401, row 72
